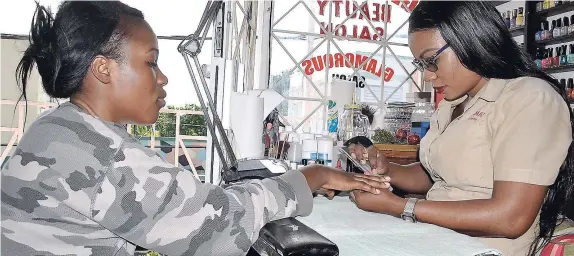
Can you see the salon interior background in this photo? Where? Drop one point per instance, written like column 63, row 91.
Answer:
column 289, row 55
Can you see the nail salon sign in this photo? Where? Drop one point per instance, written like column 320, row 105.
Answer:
column 360, row 12
column 337, row 60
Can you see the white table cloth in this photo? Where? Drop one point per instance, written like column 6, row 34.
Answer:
column 357, row 232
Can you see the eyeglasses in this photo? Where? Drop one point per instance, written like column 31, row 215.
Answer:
column 430, row 62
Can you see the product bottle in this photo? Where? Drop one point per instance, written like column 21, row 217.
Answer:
column 325, row 149
column 551, row 4
column 571, row 55
column 564, row 56
column 556, row 59
column 544, row 61
column 520, row 17
column 421, row 116
column 565, row 26
column 570, row 88
column 539, row 6
column 538, row 60
column 538, row 34
column 550, row 58
column 571, row 27
column 507, row 18
column 513, row 18
column 557, row 28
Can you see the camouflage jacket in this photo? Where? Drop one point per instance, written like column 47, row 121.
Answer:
column 77, row 185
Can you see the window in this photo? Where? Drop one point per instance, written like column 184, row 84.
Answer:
column 315, row 42
column 175, row 20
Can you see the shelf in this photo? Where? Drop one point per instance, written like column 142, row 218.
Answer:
column 559, row 69
column 557, row 40
column 517, row 31
column 497, row 3
column 557, row 10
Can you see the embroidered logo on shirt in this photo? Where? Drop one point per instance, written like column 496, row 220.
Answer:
column 477, row 115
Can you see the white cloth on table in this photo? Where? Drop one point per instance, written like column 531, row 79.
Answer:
column 357, row 232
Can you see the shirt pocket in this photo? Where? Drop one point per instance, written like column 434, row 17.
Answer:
column 464, row 154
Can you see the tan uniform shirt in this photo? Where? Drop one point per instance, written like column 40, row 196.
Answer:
column 512, row 130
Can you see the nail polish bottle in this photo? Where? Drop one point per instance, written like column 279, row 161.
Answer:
column 513, row 18
column 547, row 32
column 538, row 34
column 571, row 27
column 556, row 59
column 563, row 85
column 544, row 34
column 571, row 55
column 565, row 26
column 558, row 28
column 564, row 56
column 550, row 63
column 551, row 4
column 570, row 88
column 538, row 60
column 539, row 6
column 544, row 60
column 520, row 17
column 507, row 19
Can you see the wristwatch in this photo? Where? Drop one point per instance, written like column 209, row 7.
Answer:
column 409, row 211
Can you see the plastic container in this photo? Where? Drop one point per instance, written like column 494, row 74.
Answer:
column 325, row 149
column 309, row 152
column 422, row 113
column 352, row 123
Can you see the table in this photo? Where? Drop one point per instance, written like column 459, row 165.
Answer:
column 357, row 232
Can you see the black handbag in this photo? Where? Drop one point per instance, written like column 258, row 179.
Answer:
column 290, row 237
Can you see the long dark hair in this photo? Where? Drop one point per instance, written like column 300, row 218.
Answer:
column 64, row 47
column 486, row 47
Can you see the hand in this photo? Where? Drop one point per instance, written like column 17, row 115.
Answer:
column 384, row 202
column 346, row 181
column 328, row 193
column 379, row 163
column 330, row 179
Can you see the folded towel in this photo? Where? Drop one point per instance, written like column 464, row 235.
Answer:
column 357, row 232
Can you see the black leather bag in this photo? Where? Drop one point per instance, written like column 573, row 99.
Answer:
column 290, row 237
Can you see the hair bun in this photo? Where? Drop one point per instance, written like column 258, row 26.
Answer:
column 44, row 49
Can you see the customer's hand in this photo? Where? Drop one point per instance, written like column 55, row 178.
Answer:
column 346, row 181
column 380, row 203
column 329, row 180
column 379, row 163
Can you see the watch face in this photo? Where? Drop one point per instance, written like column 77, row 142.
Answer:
column 408, row 218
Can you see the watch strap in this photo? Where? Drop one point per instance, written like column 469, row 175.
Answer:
column 409, row 210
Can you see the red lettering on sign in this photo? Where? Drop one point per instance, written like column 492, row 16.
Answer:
column 337, row 60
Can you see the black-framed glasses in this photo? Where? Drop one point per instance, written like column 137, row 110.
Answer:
column 430, row 62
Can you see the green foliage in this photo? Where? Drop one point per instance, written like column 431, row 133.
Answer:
column 141, row 130
column 193, row 125
column 386, row 137
column 383, row 137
